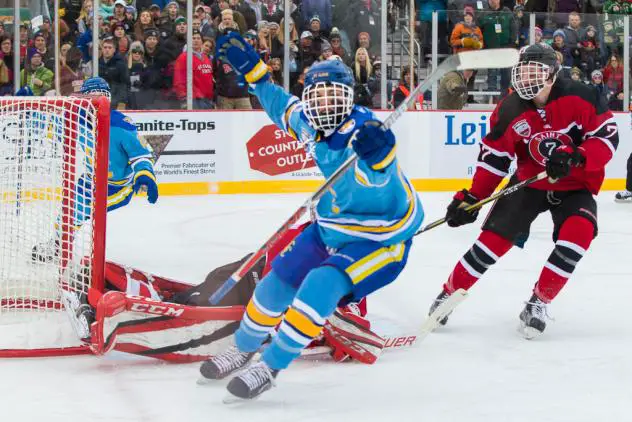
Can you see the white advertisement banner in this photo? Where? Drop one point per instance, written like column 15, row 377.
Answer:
column 234, row 146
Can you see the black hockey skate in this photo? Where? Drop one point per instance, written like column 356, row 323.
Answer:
column 224, row 364
column 533, row 318
column 438, row 301
column 254, row 381
column 625, row 196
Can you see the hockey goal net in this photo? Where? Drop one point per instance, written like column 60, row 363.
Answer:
column 53, row 194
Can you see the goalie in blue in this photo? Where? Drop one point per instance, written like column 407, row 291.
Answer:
column 363, row 230
column 130, row 168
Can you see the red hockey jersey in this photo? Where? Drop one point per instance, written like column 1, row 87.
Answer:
column 574, row 114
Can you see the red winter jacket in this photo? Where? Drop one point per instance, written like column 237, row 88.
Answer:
column 203, row 85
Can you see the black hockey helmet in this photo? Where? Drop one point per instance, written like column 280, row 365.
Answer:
column 538, row 64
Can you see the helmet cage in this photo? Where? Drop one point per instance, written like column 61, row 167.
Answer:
column 529, row 78
column 327, row 104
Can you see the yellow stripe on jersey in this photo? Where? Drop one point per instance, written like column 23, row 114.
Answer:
column 412, row 205
column 119, row 196
column 386, row 161
column 259, row 317
column 302, row 323
column 375, row 261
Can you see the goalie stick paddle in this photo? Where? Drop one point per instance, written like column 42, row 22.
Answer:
column 505, row 192
column 493, row 58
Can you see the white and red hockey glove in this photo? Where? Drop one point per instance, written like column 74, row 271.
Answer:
column 349, row 335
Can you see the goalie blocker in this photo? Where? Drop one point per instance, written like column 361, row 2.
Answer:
column 165, row 319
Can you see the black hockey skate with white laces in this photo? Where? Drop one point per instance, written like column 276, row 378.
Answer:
column 224, row 364
column 533, row 318
column 252, row 382
column 625, row 196
column 438, row 301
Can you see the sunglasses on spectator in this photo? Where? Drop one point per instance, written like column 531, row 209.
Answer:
column 137, row 51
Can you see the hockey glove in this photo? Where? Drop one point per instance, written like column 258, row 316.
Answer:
column 147, row 179
column 374, row 145
column 561, row 160
column 234, row 50
column 456, row 215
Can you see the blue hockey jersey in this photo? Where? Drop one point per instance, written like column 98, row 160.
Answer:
column 365, row 204
column 127, row 155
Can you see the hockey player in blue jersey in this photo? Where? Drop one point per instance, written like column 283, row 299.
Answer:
column 363, row 230
column 130, row 168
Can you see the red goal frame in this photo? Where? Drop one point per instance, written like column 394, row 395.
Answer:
column 100, row 178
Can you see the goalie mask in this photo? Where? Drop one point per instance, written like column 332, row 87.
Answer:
column 328, row 95
column 538, row 65
column 96, row 86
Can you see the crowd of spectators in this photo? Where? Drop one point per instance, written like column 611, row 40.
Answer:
column 142, row 48
column 142, row 45
column 590, row 45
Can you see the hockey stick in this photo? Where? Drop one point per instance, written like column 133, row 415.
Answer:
column 494, row 58
column 406, row 340
column 505, row 192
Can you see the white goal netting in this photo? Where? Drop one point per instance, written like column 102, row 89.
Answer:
column 50, row 209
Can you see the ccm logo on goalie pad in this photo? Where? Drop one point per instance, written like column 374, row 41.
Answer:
column 147, row 308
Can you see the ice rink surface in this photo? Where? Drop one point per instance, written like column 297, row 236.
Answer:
column 477, row 368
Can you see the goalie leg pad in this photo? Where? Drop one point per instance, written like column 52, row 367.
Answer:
column 349, row 336
column 167, row 331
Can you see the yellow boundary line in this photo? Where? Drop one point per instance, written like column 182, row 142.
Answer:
column 306, row 186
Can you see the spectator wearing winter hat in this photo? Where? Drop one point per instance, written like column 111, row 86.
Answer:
column 131, row 13
column 326, row 51
column 143, row 23
column 538, row 35
column 167, row 23
column 152, row 80
column 156, row 14
column 365, row 16
column 307, row 55
column 559, row 44
column 466, row 35
column 520, row 26
column 335, row 39
column 35, row 75
column 364, row 40
column 576, row 74
column 320, row 8
column 136, row 67
column 121, row 40
column 203, row 84
column 120, row 16
column 589, row 50
column 596, row 80
column 47, row 55
column 168, row 52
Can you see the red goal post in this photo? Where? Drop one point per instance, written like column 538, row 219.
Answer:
column 53, row 201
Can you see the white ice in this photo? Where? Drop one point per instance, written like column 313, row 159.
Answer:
column 475, row 369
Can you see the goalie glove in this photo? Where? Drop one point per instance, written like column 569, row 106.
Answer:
column 349, row 336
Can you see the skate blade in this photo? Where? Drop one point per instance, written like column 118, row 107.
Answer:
column 529, row 333
column 623, row 201
column 231, row 400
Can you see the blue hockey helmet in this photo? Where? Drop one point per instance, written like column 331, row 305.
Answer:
column 96, row 86
column 328, row 94
column 25, row 91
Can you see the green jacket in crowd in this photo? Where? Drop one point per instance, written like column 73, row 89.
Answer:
column 43, row 74
column 496, row 38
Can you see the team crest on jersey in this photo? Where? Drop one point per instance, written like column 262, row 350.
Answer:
column 522, row 128
column 544, row 143
column 347, row 127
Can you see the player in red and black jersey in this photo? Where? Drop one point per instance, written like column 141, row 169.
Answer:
column 547, row 124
